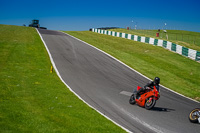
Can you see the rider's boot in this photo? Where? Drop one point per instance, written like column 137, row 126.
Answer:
column 136, row 96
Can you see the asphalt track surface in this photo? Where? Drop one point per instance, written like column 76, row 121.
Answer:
column 106, row 85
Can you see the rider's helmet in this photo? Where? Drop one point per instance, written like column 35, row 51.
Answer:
column 157, row 80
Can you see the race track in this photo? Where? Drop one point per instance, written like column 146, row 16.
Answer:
column 106, row 84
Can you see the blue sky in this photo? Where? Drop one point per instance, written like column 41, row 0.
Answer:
column 84, row 14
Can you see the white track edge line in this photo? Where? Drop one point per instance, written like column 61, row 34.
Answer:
column 52, row 61
column 129, row 67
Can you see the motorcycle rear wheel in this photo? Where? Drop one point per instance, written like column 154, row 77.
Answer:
column 132, row 99
column 193, row 117
column 150, row 104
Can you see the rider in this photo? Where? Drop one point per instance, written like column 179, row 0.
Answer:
column 151, row 84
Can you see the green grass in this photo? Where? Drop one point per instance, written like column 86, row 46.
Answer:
column 184, row 38
column 34, row 100
column 176, row 72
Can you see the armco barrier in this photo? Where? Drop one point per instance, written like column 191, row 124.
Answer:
column 190, row 53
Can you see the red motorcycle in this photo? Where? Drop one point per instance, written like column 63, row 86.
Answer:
column 146, row 99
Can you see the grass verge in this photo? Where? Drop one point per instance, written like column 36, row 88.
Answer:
column 187, row 39
column 34, row 100
column 176, row 72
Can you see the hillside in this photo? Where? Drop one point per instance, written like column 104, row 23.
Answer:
column 34, row 100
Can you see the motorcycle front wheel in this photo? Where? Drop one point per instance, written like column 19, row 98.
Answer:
column 132, row 99
column 149, row 104
column 194, row 115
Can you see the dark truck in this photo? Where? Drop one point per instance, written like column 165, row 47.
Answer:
column 35, row 23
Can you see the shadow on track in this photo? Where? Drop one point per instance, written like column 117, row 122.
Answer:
column 160, row 109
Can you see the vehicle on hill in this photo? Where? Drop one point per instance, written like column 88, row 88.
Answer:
column 35, row 23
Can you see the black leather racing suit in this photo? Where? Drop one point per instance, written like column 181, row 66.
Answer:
column 151, row 84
